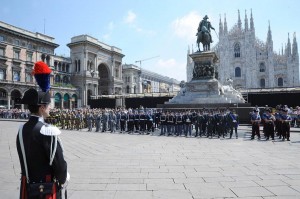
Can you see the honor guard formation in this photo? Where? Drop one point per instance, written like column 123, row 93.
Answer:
column 188, row 123
column 275, row 122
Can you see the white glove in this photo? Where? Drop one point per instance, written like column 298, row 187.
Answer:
column 68, row 177
column 64, row 186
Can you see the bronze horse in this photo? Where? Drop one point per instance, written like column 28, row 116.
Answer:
column 204, row 38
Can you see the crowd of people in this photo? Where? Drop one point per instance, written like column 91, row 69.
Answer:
column 209, row 123
column 14, row 113
column 203, row 122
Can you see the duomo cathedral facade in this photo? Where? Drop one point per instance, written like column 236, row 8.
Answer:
column 251, row 63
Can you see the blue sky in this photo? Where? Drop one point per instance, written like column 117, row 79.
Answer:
column 149, row 28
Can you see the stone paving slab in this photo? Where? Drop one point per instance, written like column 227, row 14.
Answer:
column 121, row 166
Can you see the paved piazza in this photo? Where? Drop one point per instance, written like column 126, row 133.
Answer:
column 122, row 166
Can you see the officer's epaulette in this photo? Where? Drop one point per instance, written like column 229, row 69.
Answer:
column 50, row 130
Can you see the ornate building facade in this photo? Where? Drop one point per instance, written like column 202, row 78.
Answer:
column 139, row 81
column 19, row 50
column 92, row 70
column 251, row 63
column 96, row 67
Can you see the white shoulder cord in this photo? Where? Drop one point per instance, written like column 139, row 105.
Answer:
column 60, row 143
column 52, row 153
column 23, row 152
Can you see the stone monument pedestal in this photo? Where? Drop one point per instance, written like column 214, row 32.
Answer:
column 204, row 87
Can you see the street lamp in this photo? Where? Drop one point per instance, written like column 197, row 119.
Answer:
column 92, row 74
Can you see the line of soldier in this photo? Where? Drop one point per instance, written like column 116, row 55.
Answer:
column 275, row 123
column 209, row 123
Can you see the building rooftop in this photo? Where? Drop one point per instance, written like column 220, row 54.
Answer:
column 27, row 33
column 91, row 39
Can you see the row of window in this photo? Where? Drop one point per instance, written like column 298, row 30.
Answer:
column 237, row 73
column 237, row 50
column 64, row 79
column 128, row 89
column 77, row 65
column 45, row 58
column 16, row 54
column 127, row 78
column 64, row 67
column 262, row 68
column 279, row 82
column 16, row 75
column 30, row 46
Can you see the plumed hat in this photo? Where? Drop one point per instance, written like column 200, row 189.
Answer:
column 41, row 73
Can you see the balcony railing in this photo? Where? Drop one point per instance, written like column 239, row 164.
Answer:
column 63, row 85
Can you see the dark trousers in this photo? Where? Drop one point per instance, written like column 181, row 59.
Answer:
column 122, row 123
column 203, row 127
column 210, row 130
column 179, row 129
column 279, row 128
column 197, row 129
column 286, row 130
column 220, row 129
column 269, row 128
column 255, row 130
column 137, row 125
column 150, row 126
column 235, row 130
column 142, row 125
column 130, row 126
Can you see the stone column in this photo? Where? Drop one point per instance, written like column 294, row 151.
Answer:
column 52, row 104
column 62, row 103
column 83, row 97
column 96, row 91
column 22, row 105
column 140, row 86
column 8, row 100
column 70, row 103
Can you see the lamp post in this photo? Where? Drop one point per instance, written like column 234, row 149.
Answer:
column 92, row 74
column 62, row 96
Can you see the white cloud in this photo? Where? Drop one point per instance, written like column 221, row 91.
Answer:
column 186, row 26
column 130, row 17
column 111, row 26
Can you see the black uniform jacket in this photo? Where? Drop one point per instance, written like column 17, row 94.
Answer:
column 37, row 142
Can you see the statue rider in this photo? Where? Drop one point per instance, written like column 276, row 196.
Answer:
column 204, row 27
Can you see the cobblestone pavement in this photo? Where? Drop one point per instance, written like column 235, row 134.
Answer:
column 122, row 166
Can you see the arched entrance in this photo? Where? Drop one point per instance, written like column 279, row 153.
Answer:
column 104, row 81
column 15, row 98
column 74, row 101
column 67, row 101
column 3, row 98
column 57, row 100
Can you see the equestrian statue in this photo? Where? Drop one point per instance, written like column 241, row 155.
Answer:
column 203, row 34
